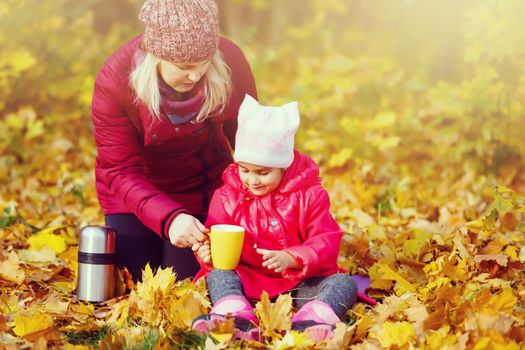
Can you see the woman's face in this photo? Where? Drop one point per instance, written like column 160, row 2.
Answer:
column 260, row 180
column 181, row 76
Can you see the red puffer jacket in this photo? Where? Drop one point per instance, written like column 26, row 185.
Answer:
column 155, row 168
column 295, row 217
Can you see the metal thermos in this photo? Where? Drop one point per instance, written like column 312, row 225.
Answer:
column 96, row 263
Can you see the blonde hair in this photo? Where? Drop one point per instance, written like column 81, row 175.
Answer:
column 217, row 85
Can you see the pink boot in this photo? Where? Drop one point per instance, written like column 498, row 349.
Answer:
column 237, row 306
column 317, row 319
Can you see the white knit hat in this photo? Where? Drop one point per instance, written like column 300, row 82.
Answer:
column 265, row 135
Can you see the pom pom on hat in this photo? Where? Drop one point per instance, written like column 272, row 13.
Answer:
column 265, row 134
column 181, row 31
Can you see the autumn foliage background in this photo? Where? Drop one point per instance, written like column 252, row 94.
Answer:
column 415, row 111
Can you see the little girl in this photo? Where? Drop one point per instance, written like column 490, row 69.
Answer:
column 291, row 242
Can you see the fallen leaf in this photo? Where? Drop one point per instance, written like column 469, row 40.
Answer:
column 393, row 333
column 221, row 337
column 412, row 248
column 54, row 305
column 3, row 324
column 210, row 345
column 162, row 281
column 380, row 272
column 10, row 269
column 40, row 344
column 32, row 323
column 503, row 301
column 49, row 239
column 441, row 338
column 186, row 305
column 274, row 317
column 43, row 255
column 342, row 337
column 293, row 340
column 363, row 325
column 501, row 259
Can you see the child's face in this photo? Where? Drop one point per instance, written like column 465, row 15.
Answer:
column 259, row 180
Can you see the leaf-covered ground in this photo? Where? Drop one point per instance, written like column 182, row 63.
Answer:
column 445, row 255
column 417, row 124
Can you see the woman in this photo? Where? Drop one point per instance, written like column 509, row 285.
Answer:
column 164, row 114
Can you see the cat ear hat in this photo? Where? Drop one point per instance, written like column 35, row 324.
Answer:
column 265, row 134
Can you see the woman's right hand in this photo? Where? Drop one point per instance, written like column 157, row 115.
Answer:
column 186, row 231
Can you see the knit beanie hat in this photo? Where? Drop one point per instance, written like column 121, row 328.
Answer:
column 181, row 31
column 265, row 135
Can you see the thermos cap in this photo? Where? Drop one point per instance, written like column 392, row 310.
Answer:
column 97, row 240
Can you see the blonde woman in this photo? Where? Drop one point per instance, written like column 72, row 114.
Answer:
column 164, row 114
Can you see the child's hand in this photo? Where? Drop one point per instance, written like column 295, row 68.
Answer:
column 277, row 260
column 203, row 251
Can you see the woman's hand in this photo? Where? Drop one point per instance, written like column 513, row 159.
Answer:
column 185, row 231
column 278, row 260
column 203, row 250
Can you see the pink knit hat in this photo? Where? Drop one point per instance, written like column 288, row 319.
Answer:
column 181, row 31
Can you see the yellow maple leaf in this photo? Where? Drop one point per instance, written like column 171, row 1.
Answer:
column 70, row 258
column 65, row 286
column 48, row 238
column 456, row 269
column 434, row 268
column 187, row 304
column 342, row 337
column 274, row 317
column 460, row 247
column 293, row 340
column 118, row 313
column 82, row 308
column 221, row 337
column 10, row 269
column 508, row 345
column 482, row 343
column 441, row 286
column 380, row 272
column 512, row 252
column 363, row 325
column 503, row 301
column 9, row 302
column 393, row 333
column 440, row 338
column 162, row 280
column 490, row 304
column 412, row 247
column 32, row 323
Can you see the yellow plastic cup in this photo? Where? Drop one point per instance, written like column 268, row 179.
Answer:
column 226, row 246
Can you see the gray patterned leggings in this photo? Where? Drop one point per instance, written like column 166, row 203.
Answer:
column 338, row 290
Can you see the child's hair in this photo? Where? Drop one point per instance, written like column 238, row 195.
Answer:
column 217, row 85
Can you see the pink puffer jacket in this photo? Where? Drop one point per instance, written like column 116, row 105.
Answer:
column 295, row 218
